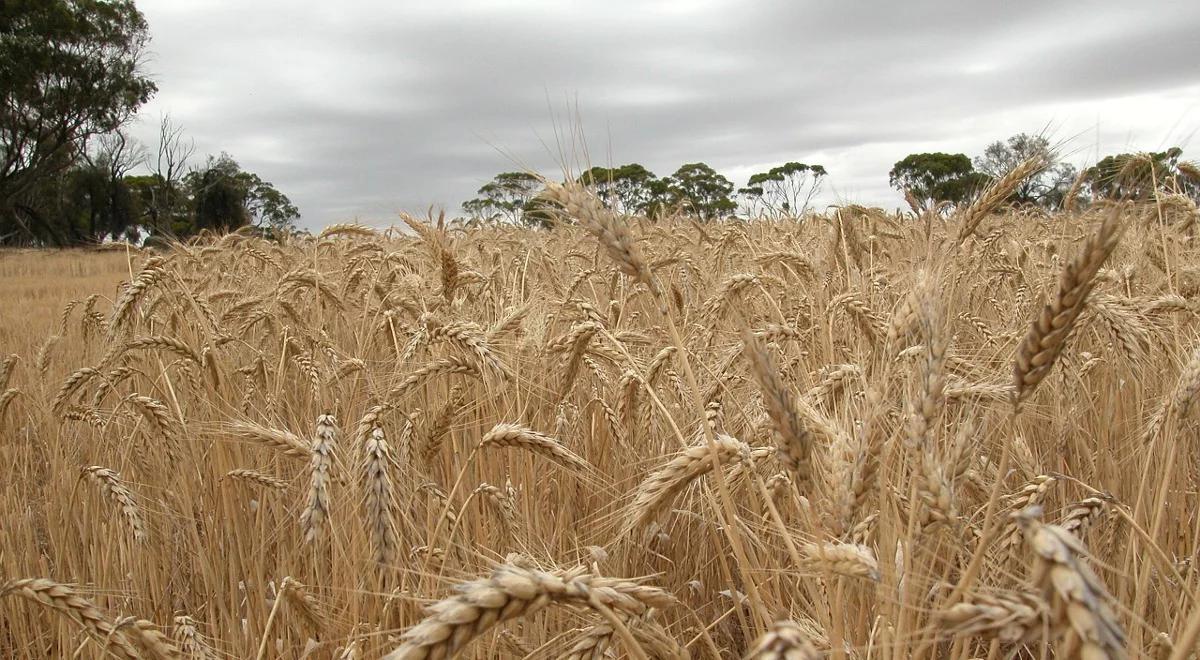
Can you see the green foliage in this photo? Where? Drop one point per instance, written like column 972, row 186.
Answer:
column 98, row 203
column 700, row 190
column 267, row 206
column 69, row 70
column 164, row 205
column 218, row 201
column 932, row 178
column 96, row 199
column 541, row 212
column 660, row 199
column 784, row 190
column 627, row 189
column 224, row 198
column 1046, row 188
column 1135, row 176
column 504, row 197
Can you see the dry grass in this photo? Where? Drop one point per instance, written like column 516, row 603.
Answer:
column 787, row 439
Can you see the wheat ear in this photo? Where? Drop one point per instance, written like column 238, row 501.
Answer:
column 190, row 642
column 6, row 397
column 610, row 232
column 1080, row 607
column 301, row 603
column 848, row 559
column 286, row 442
column 1009, row 617
column 998, row 192
column 449, row 365
column 795, row 439
column 155, row 645
column 253, row 476
column 515, row 435
column 6, row 368
column 63, row 600
column 377, row 482
column 347, row 229
column 152, row 272
column 1048, row 335
column 692, row 463
column 110, row 484
column 316, row 510
column 512, row 592
column 784, row 640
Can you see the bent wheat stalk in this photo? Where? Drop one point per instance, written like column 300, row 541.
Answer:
column 692, row 463
column 515, row 435
column 512, row 592
column 63, row 600
column 112, row 487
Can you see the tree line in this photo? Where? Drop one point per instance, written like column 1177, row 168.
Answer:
column 695, row 188
column 71, row 80
column 929, row 181
column 933, row 180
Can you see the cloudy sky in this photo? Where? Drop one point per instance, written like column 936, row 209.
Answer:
column 363, row 108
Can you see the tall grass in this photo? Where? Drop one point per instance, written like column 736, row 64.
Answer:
column 851, row 435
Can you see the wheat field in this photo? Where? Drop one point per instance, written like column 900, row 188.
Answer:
column 854, row 435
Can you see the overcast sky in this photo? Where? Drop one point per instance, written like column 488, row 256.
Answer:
column 360, row 109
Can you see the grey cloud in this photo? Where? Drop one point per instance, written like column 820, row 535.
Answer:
column 378, row 107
